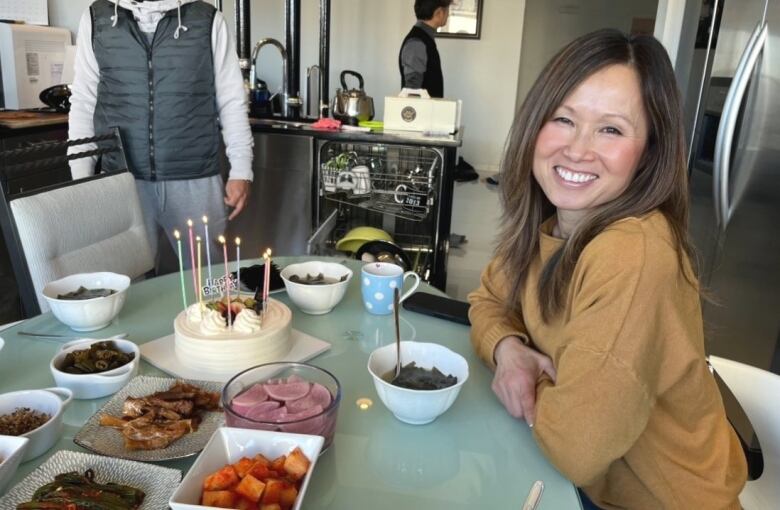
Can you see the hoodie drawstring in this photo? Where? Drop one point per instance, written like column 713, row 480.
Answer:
column 180, row 27
column 115, row 17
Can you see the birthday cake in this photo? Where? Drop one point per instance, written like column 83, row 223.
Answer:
column 204, row 340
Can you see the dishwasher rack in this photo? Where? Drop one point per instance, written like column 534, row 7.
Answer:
column 393, row 187
column 399, row 180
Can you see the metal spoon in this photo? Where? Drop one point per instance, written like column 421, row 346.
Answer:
column 396, row 303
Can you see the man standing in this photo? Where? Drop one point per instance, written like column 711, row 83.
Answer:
column 166, row 73
column 420, row 64
column 419, row 60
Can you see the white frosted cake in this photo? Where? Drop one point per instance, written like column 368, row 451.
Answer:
column 204, row 342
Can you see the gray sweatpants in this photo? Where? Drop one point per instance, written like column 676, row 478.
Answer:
column 169, row 204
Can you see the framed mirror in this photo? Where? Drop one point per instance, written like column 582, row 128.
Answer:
column 465, row 20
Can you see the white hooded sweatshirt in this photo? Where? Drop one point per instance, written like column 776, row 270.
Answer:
column 229, row 84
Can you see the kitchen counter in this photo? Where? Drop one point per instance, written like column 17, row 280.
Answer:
column 18, row 122
column 395, row 137
column 11, row 121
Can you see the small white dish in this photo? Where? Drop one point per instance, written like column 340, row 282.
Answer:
column 11, row 453
column 228, row 445
column 49, row 401
column 417, row 407
column 87, row 314
column 87, row 386
column 316, row 299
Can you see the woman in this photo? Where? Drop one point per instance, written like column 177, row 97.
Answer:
column 589, row 311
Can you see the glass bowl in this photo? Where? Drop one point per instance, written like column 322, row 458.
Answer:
column 302, row 419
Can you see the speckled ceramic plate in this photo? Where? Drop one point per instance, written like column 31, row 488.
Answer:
column 157, row 482
column 108, row 441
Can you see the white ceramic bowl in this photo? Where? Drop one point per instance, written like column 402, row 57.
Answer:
column 228, row 445
column 417, row 407
column 85, row 386
column 11, row 451
column 47, row 401
column 316, row 299
column 87, row 314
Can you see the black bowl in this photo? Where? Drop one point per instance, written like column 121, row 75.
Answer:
column 57, row 97
column 379, row 247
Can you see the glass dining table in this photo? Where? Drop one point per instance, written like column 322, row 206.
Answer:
column 473, row 456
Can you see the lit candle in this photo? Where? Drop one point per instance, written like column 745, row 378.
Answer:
column 267, row 278
column 200, row 277
column 192, row 258
column 227, row 279
column 177, row 235
column 208, row 248
column 238, row 266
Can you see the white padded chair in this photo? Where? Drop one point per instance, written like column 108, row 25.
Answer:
column 93, row 224
column 758, row 392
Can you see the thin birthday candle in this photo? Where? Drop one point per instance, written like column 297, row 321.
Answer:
column 238, row 266
column 192, row 259
column 267, row 279
column 208, row 247
column 177, row 235
column 200, row 276
column 227, row 279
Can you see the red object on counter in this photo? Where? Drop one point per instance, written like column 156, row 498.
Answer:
column 327, row 123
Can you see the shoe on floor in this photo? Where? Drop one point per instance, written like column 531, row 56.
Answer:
column 464, row 172
column 465, row 175
column 457, row 239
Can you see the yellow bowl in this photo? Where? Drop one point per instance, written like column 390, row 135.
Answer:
column 358, row 236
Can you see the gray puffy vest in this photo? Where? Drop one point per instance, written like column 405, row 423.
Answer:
column 161, row 94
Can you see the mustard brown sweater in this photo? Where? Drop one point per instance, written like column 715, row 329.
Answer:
column 635, row 417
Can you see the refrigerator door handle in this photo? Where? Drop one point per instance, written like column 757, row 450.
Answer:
column 725, row 137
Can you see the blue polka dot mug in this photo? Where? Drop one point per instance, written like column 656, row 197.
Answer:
column 379, row 280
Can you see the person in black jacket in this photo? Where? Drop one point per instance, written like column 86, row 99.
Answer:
column 418, row 59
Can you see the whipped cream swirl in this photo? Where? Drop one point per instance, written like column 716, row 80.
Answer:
column 247, row 321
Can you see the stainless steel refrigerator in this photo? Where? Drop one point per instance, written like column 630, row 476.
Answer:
column 735, row 181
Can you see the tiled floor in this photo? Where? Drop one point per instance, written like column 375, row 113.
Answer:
column 475, row 214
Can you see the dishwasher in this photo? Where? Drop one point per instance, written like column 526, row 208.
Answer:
column 394, row 187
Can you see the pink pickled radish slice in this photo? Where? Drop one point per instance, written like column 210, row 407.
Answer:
column 288, row 391
column 257, row 411
column 254, row 395
column 317, row 396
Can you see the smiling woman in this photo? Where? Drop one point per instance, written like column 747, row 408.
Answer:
column 589, row 311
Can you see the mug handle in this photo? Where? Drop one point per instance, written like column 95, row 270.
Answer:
column 350, row 185
column 414, row 287
column 62, row 393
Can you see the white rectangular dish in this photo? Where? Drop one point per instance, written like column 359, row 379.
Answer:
column 228, row 445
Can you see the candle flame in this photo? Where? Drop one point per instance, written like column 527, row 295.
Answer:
column 189, row 223
column 205, row 219
column 222, row 239
column 197, row 238
column 176, row 234
column 269, row 253
column 238, row 241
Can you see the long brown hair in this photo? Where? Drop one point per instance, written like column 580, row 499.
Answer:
column 660, row 181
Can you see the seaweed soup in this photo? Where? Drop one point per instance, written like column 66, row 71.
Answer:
column 413, row 377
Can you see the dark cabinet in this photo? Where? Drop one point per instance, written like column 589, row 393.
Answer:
column 15, row 183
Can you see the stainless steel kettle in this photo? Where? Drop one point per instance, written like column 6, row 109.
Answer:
column 352, row 105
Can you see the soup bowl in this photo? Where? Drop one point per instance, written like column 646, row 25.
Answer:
column 417, row 407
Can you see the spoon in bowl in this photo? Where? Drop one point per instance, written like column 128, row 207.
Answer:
column 396, row 303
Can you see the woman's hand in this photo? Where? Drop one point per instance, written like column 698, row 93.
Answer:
column 518, row 367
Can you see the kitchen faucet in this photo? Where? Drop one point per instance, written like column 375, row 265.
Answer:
column 287, row 100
